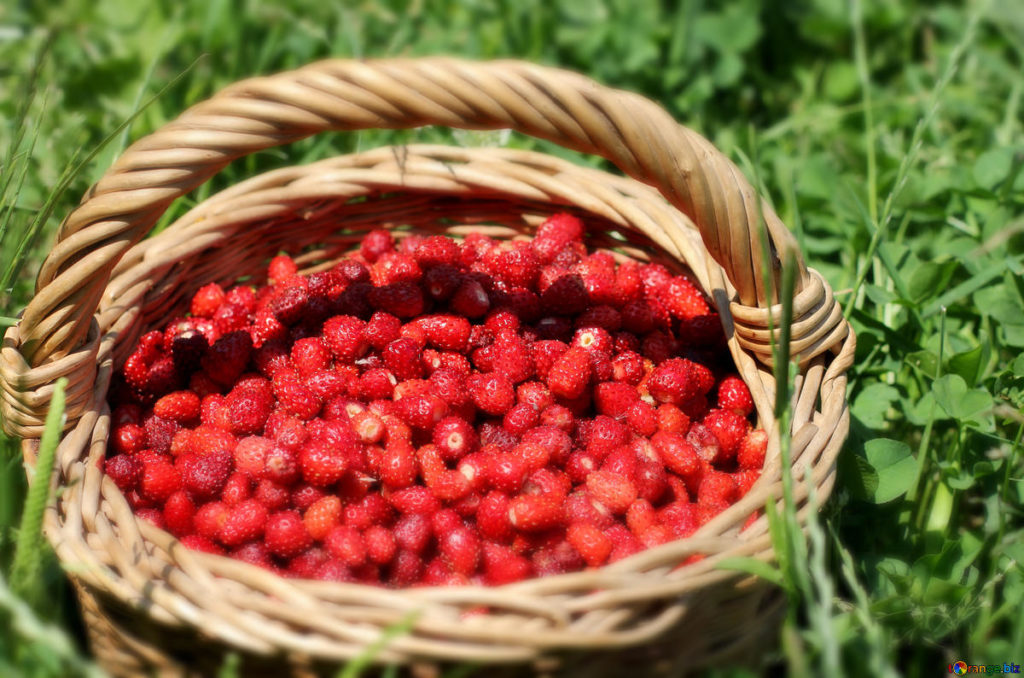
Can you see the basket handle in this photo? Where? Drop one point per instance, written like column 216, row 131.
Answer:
column 564, row 107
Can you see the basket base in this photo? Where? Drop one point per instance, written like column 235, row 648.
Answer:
column 128, row 645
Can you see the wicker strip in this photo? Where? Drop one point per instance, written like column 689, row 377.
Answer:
column 178, row 609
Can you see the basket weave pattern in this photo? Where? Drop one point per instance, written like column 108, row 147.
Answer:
column 152, row 604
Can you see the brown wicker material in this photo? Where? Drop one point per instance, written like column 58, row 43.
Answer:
column 153, row 606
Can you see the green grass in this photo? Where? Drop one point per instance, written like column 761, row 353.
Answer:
column 887, row 133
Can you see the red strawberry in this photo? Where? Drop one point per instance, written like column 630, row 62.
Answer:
column 375, row 243
column 226, row 359
column 492, row 393
column 570, row 374
column 615, row 399
column 502, row 565
column 346, row 544
column 460, row 550
column 733, row 394
column 207, row 300
column 446, row 332
column 159, row 480
column 555, row 234
column 124, row 470
column 730, row 428
column 402, row 299
column 614, row 491
column 380, row 544
column 179, row 406
column 285, row 535
column 751, row 453
column 281, row 267
column 536, row 512
column 591, row 542
column 241, row 523
column 672, row 382
column 684, row 300
column 178, row 513
column 345, row 336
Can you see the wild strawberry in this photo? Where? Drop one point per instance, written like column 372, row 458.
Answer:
column 751, row 453
column 505, row 472
column 395, row 267
column 677, row 453
column 345, row 337
column 209, row 518
column 492, row 517
column 281, row 466
column 294, row 396
column 415, row 499
column 744, row 480
column 375, row 243
column 248, row 409
column 402, row 299
column 237, row 488
column 624, row 544
column 380, row 544
column 520, row 419
column 640, row 515
column 470, row 300
column 207, row 300
column 555, row 234
column 128, row 438
column 570, row 374
column 536, row 512
column 642, row 418
column 591, row 543
column 672, row 382
column 446, row 332
column 322, row 464
column 615, row 399
column 208, row 440
column 241, row 523
column 455, row 438
column 204, row 475
column 566, row 296
column 733, row 394
column 716, row 487
column 730, row 428
column 159, row 481
column 200, row 543
column 178, row 513
column 124, row 470
column 290, row 301
column 512, row 357
column 502, row 565
column 412, row 533
column 285, row 535
column 492, row 393
column 684, row 299
column 227, row 357
column 307, row 564
column 614, row 491
column 179, row 406
column 281, row 267
column 460, row 550
column 346, row 544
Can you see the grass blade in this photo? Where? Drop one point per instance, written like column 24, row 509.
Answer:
column 28, row 554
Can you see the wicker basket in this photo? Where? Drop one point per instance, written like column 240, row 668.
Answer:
column 152, row 606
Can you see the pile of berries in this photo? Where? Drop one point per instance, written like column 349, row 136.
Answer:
column 433, row 411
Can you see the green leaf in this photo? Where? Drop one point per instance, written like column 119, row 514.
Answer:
column 895, row 466
column 967, row 406
column 873, row 402
column 992, row 167
column 925, row 362
column 929, row 278
column 967, row 364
